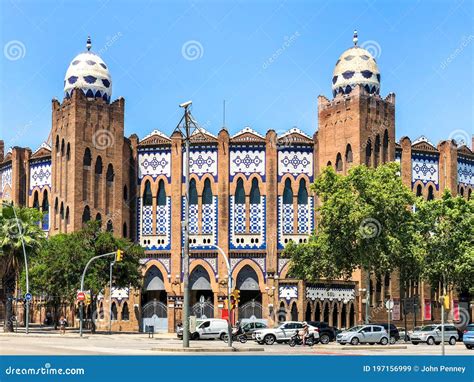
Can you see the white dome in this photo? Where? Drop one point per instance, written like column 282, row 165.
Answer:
column 356, row 66
column 88, row 72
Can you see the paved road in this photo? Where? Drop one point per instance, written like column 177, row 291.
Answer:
column 136, row 344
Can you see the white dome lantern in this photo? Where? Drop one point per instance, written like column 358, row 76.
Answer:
column 88, row 72
column 356, row 66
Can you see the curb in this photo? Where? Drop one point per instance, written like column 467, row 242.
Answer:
column 206, row 350
column 365, row 347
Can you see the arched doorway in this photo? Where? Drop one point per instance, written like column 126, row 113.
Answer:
column 250, row 305
column 343, row 317
column 154, row 299
column 335, row 313
column 282, row 312
column 202, row 297
column 326, row 313
column 317, row 312
column 294, row 312
column 308, row 313
column 351, row 316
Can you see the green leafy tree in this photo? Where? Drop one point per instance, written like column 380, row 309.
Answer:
column 363, row 222
column 57, row 270
column 446, row 226
column 18, row 226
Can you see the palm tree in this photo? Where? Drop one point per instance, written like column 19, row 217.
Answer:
column 11, row 248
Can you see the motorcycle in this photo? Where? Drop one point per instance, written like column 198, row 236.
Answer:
column 297, row 340
column 242, row 338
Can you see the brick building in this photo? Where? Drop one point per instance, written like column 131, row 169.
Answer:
column 249, row 194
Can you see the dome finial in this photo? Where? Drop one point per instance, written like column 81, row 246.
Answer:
column 89, row 43
column 355, row 38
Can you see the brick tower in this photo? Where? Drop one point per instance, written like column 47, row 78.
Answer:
column 90, row 157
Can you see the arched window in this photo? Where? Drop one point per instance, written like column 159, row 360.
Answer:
column 98, row 166
column 302, row 193
column 419, row 190
column 125, row 312
column 67, row 215
column 368, row 153
column 377, row 150
column 62, row 147
column 125, row 193
column 469, row 194
column 110, row 227
column 207, row 192
column 462, row 191
column 349, row 156
column 87, row 158
column 110, row 173
column 193, row 194
column 57, row 144
column 147, row 195
column 56, row 206
column 114, row 311
column 240, row 192
column 68, row 151
column 329, row 164
column 36, row 200
column 255, row 192
column 124, row 230
column 385, row 147
column 98, row 217
column 161, row 199
column 430, row 193
column 339, row 162
column 45, row 206
column 61, row 211
column 86, row 215
column 287, row 192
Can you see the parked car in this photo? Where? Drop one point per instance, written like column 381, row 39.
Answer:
column 326, row 333
column 211, row 328
column 179, row 328
column 363, row 334
column 431, row 334
column 394, row 333
column 468, row 336
column 282, row 333
column 250, row 327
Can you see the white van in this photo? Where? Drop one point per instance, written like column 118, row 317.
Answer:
column 212, row 328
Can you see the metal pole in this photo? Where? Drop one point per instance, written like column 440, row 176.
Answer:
column 186, row 235
column 110, row 297
column 81, row 317
column 389, row 311
column 20, row 232
column 367, row 299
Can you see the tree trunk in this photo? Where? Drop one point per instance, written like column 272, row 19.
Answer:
column 9, row 285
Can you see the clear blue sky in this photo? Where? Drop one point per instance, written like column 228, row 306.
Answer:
column 142, row 43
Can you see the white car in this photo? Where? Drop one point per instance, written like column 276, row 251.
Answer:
column 283, row 333
column 363, row 334
column 212, row 328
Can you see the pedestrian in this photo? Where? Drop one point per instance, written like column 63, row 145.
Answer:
column 305, row 332
column 62, row 325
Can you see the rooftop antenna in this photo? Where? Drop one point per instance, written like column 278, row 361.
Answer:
column 223, row 114
column 89, row 43
column 355, row 38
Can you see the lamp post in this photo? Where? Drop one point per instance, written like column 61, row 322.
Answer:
column 229, row 288
column 20, row 232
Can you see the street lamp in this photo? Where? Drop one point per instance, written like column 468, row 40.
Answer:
column 20, row 232
column 367, row 297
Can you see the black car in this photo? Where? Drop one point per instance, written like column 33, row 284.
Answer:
column 326, row 333
column 394, row 334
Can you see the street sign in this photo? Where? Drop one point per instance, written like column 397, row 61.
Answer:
column 389, row 304
column 81, row 296
column 28, row 296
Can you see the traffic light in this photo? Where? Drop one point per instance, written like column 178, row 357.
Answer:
column 232, row 301
column 119, row 256
column 236, row 295
column 446, row 302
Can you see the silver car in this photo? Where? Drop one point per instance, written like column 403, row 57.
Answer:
column 363, row 334
column 431, row 334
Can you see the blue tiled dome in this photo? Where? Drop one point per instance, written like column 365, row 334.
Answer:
column 89, row 73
